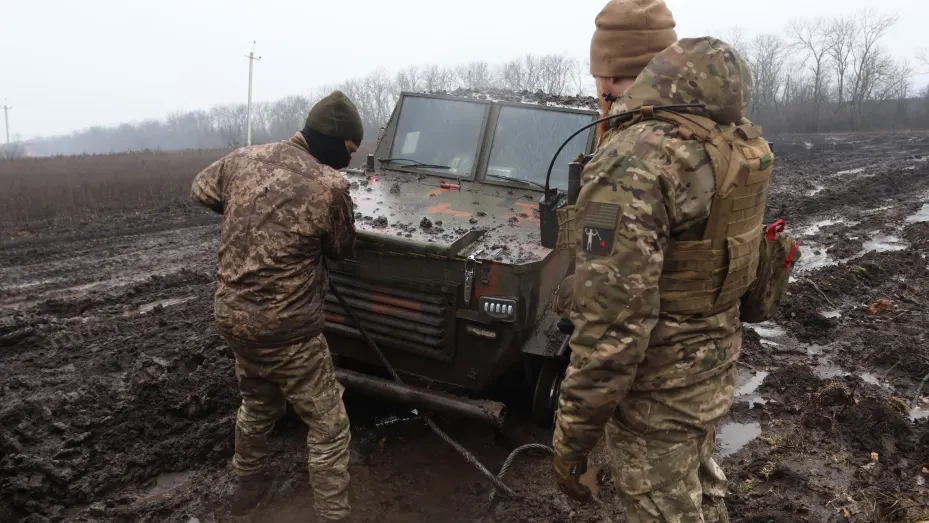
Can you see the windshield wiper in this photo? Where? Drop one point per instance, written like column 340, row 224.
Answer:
column 414, row 163
column 517, row 180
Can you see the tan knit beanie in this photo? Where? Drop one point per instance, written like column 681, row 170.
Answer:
column 629, row 34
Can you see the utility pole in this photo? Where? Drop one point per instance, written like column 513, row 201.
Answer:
column 248, row 118
column 6, row 119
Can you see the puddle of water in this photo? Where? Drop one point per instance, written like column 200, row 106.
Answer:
column 814, row 257
column 828, row 371
column 920, row 411
column 731, row 437
column 816, row 190
column 768, row 329
column 28, row 284
column 165, row 485
column 814, row 349
column 867, row 377
column 816, row 227
column 748, row 383
column 884, row 243
column 850, row 171
column 831, row 314
column 149, row 307
column 921, row 216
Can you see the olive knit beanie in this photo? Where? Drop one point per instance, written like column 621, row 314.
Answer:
column 336, row 116
column 629, row 34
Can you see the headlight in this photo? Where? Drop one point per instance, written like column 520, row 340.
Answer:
column 498, row 308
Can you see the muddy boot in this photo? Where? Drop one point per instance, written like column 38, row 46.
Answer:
column 248, row 493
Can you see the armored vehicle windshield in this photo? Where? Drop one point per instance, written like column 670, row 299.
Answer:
column 438, row 135
column 498, row 143
column 524, row 140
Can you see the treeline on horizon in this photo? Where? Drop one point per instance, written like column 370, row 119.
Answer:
column 818, row 75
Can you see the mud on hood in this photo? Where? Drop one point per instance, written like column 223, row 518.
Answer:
column 408, row 211
column 694, row 70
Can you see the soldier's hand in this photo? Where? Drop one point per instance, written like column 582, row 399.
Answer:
column 565, row 299
column 568, row 474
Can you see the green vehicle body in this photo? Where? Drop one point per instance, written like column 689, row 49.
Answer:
column 449, row 276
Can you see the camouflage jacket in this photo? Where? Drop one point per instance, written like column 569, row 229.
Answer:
column 647, row 186
column 282, row 212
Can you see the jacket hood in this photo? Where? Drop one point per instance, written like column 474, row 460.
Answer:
column 694, row 70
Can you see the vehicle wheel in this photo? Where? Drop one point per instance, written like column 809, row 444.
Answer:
column 545, row 396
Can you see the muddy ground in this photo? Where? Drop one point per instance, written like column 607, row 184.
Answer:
column 117, row 397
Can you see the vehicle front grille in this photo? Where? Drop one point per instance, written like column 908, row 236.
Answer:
column 393, row 316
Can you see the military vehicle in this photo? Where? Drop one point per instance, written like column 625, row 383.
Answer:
column 449, row 276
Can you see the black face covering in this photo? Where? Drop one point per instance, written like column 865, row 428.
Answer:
column 328, row 150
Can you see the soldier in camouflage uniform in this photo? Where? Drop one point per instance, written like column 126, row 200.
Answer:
column 285, row 207
column 655, row 308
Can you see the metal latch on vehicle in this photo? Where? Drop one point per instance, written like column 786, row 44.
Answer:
column 469, row 275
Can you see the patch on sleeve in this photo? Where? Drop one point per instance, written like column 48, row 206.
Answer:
column 599, row 228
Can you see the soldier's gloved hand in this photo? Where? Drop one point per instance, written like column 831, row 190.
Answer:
column 568, row 474
column 565, row 299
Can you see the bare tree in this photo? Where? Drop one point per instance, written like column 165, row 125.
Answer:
column 375, row 96
column 580, row 76
column 287, row 116
column 813, row 38
column 437, row 78
column 230, row 123
column 512, row 75
column 869, row 64
column 735, row 37
column 474, row 75
column 555, row 73
column 410, row 79
column 766, row 54
column 841, row 34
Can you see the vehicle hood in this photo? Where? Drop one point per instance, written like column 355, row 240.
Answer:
column 694, row 70
column 412, row 212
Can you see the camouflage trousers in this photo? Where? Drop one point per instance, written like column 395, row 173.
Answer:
column 662, row 461
column 304, row 375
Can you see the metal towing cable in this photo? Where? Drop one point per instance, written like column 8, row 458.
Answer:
column 471, row 458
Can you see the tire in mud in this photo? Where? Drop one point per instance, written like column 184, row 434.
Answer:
column 546, row 390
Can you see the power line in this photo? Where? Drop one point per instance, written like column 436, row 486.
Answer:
column 248, row 118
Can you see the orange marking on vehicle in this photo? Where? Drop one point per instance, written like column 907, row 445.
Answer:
column 380, row 308
column 398, row 302
column 443, row 208
column 335, row 318
column 493, row 281
column 528, row 209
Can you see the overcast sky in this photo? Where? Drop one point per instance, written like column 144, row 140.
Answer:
column 69, row 64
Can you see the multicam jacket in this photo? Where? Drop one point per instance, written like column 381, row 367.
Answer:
column 647, row 187
column 282, row 213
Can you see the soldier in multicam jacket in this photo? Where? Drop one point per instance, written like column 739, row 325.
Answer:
column 653, row 383
column 285, row 207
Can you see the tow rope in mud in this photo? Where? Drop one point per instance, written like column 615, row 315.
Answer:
column 471, row 458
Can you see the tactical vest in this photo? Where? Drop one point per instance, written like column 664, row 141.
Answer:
column 710, row 275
